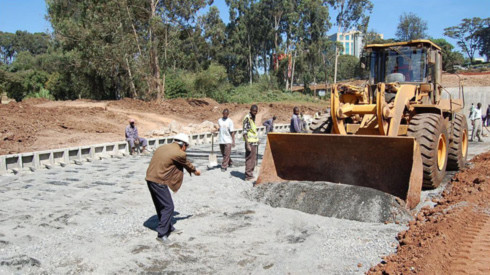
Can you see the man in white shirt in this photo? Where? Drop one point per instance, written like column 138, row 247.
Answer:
column 476, row 122
column 226, row 139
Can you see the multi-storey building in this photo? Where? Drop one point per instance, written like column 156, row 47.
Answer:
column 352, row 41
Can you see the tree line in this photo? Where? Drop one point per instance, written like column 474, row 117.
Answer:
column 156, row 49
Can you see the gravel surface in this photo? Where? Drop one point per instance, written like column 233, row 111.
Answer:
column 99, row 218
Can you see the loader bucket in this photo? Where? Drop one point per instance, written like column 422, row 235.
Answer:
column 389, row 164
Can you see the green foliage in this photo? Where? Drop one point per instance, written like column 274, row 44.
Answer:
column 411, row 27
column 176, row 87
column 211, row 81
column 43, row 93
column 483, row 40
column 11, row 44
column 348, row 67
column 466, row 34
column 449, row 57
column 149, row 49
column 372, row 37
column 13, row 83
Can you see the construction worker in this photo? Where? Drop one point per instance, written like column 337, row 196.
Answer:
column 133, row 138
column 166, row 171
column 269, row 125
column 226, row 139
column 295, row 126
column 477, row 123
column 251, row 138
column 488, row 116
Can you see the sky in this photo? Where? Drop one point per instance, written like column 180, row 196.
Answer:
column 30, row 15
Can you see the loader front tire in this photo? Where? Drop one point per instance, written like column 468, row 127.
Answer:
column 429, row 130
column 458, row 144
column 322, row 124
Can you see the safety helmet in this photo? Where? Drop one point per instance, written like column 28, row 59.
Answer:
column 182, row 137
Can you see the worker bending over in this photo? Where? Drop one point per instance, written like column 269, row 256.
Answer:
column 166, row 170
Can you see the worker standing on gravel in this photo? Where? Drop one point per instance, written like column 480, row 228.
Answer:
column 476, row 122
column 295, row 126
column 251, row 138
column 133, row 138
column 269, row 125
column 226, row 139
column 166, row 170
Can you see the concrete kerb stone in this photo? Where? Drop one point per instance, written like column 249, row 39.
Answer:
column 16, row 163
column 29, row 162
column 13, row 163
column 44, row 159
column 3, row 166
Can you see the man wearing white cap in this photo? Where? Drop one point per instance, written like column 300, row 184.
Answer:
column 166, row 170
column 133, row 138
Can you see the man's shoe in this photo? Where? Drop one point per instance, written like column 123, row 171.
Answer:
column 164, row 240
column 230, row 165
column 223, row 169
column 480, row 140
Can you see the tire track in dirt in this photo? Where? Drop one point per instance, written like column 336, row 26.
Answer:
column 474, row 248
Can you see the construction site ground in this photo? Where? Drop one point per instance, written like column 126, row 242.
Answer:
column 99, row 218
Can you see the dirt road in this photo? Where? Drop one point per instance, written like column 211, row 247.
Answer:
column 454, row 236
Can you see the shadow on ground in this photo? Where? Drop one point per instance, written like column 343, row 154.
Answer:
column 237, row 174
column 152, row 222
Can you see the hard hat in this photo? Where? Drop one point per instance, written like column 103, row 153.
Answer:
column 182, row 137
column 131, row 120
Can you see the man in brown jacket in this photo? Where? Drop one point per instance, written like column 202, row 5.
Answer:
column 166, row 170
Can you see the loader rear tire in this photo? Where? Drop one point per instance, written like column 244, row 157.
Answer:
column 322, row 125
column 429, row 130
column 458, row 144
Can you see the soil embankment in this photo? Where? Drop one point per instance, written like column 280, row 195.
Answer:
column 37, row 124
column 453, row 237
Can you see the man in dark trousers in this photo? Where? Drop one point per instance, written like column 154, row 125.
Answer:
column 226, row 139
column 251, row 138
column 488, row 116
column 295, row 126
column 269, row 125
column 166, row 170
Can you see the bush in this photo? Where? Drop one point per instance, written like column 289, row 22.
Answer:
column 175, row 86
column 212, row 82
column 43, row 93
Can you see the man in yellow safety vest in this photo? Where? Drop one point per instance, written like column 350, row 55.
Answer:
column 251, row 137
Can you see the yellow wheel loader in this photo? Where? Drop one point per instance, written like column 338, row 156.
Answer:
column 399, row 132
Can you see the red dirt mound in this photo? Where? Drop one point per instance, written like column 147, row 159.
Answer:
column 453, row 237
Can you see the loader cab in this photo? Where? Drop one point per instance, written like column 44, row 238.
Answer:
column 413, row 62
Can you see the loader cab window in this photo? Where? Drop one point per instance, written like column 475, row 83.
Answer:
column 399, row 64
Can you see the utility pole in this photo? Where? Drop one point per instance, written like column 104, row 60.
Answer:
column 336, row 57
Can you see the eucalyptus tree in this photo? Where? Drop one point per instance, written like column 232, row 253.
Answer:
column 466, row 34
column 411, row 27
column 350, row 14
